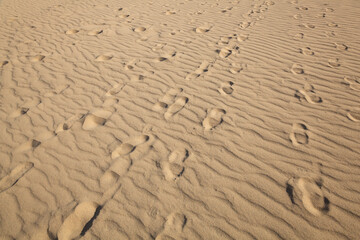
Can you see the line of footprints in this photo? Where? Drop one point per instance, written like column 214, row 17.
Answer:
column 308, row 189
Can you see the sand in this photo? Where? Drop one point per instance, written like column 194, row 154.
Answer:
column 180, row 119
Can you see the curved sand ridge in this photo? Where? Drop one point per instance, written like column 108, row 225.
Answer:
column 179, row 119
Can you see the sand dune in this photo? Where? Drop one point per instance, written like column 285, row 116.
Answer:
column 183, row 119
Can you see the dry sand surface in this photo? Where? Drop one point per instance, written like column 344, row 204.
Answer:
column 180, row 119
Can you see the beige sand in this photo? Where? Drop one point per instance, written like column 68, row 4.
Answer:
column 180, row 119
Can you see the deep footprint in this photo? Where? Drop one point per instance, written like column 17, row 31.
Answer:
column 75, row 224
column 310, row 193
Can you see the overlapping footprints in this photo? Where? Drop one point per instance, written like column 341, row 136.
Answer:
column 203, row 68
column 308, row 191
column 9, row 180
column 308, row 93
column 213, row 118
column 129, row 146
column 167, row 99
column 171, row 102
column 176, row 107
column 173, row 168
column 299, row 134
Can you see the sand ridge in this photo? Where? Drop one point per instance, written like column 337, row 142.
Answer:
column 179, row 119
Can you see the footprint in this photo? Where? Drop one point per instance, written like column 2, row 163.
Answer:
column 128, row 146
column 165, row 57
column 108, row 178
column 203, row 29
column 19, row 112
column 308, row 25
column 71, row 31
column 330, row 34
column 298, row 36
column 36, row 58
column 353, row 116
column 321, row 15
column 297, row 69
column 226, row 88
column 244, row 25
column 213, row 118
column 302, row 8
column 119, row 167
column 123, row 15
column 95, row 32
column 334, row 63
column 297, row 16
column 173, row 168
column 159, row 106
column 340, row 46
column 353, row 82
column 224, row 52
column 171, row 94
column 309, row 191
column 306, row 51
column 25, row 108
column 204, row 67
column 176, row 107
column 236, row 68
column 224, row 40
column 173, row 227
column 115, row 90
column 158, row 47
column 242, row 37
column 170, row 12
column 308, row 94
column 332, row 24
column 102, row 58
column 15, row 174
column 298, row 135
column 96, row 118
column 69, row 123
column 139, row 29
column 139, row 77
column 75, row 224
column 3, row 63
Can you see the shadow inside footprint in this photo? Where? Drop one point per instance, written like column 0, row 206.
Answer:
column 290, row 192
column 89, row 224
